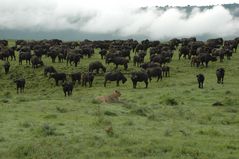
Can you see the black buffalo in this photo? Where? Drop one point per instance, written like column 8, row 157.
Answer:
column 96, row 66
column 154, row 72
column 118, row 61
column 25, row 56
column 67, row 88
column 205, row 58
column 200, row 78
column 6, row 66
column 137, row 60
column 166, row 71
column 76, row 77
column 49, row 69
column 20, row 84
column 36, row 61
column 102, row 53
column 72, row 57
column 220, row 75
column 87, row 78
column 149, row 65
column 115, row 76
column 58, row 77
column 140, row 76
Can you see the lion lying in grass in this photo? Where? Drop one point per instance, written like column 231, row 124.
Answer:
column 114, row 97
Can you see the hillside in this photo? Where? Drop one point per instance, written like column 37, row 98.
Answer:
column 172, row 119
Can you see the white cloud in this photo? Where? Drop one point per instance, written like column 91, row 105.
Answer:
column 118, row 17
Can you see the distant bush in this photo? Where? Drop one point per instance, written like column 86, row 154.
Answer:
column 51, row 116
column 48, row 130
column 140, row 111
column 4, row 100
column 61, row 110
column 2, row 139
column 7, row 94
column 94, row 101
column 109, row 113
column 171, row 101
column 26, row 124
column 217, row 104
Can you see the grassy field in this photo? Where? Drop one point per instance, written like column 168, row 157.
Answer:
column 172, row 119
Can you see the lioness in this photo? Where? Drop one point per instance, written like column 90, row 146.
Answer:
column 114, row 97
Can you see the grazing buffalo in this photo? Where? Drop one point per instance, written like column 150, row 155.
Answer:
column 149, row 65
column 87, row 78
column 20, row 84
column 205, row 58
column 200, row 78
column 154, row 72
column 220, row 75
column 76, row 77
column 36, row 61
column 96, row 66
column 6, row 66
column 58, row 77
column 115, row 76
column 67, row 88
column 49, row 69
column 140, row 76
column 118, row 61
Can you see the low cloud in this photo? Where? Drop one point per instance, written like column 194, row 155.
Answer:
column 122, row 20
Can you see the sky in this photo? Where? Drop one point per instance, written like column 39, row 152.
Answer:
column 116, row 18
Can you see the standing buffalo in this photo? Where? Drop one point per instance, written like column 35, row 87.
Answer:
column 76, row 77
column 6, row 66
column 67, row 88
column 58, row 77
column 25, row 56
column 154, row 72
column 102, row 53
column 166, row 71
column 96, row 66
column 140, row 76
column 115, row 76
column 205, row 57
column 36, row 61
column 220, row 75
column 118, row 61
column 87, row 78
column 20, row 84
column 73, row 57
column 49, row 69
column 137, row 60
column 200, row 78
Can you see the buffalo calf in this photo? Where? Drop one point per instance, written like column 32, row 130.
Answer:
column 67, row 88
column 87, row 78
column 58, row 77
column 200, row 78
column 220, row 75
column 20, row 85
column 6, row 66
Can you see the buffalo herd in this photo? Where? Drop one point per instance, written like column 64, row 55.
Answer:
column 117, row 52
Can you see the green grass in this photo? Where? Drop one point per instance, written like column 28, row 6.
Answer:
column 170, row 119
